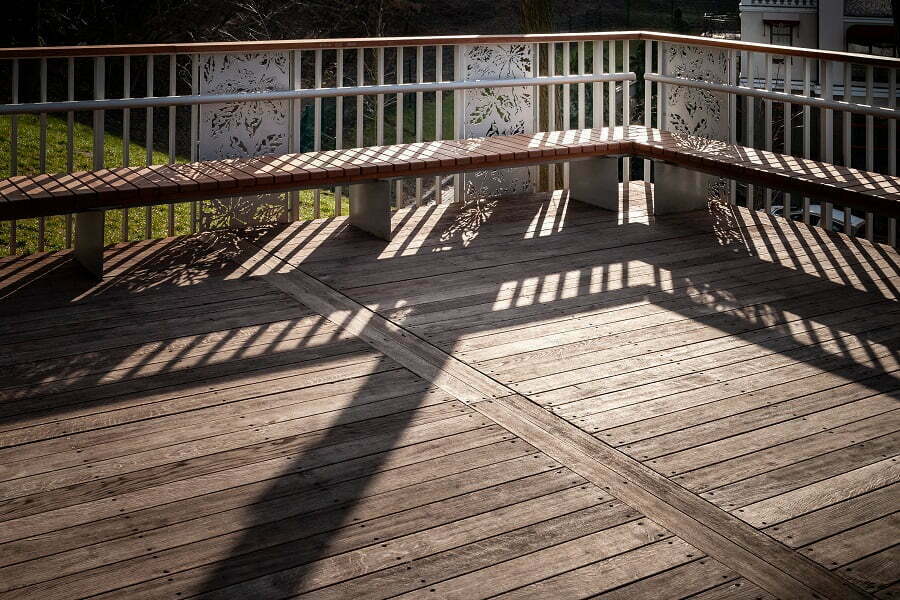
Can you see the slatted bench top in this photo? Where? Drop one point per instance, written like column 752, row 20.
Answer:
column 44, row 195
column 843, row 185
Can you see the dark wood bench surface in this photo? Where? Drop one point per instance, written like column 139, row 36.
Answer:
column 43, row 195
column 846, row 186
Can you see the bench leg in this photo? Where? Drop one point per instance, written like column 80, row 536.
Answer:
column 370, row 208
column 89, row 241
column 676, row 189
column 595, row 181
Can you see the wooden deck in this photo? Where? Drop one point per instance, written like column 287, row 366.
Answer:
column 522, row 397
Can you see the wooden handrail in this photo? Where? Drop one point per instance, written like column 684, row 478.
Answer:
column 314, row 44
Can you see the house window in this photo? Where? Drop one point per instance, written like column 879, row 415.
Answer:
column 781, row 34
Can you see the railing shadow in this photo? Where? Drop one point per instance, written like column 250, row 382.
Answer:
column 284, row 535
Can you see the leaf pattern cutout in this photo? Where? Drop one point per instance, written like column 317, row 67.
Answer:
column 498, row 111
column 242, row 129
column 693, row 111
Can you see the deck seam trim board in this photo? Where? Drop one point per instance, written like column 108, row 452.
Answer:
column 753, row 554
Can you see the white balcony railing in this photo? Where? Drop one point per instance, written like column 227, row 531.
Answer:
column 86, row 107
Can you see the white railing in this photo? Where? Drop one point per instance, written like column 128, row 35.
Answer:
column 780, row 3
column 75, row 108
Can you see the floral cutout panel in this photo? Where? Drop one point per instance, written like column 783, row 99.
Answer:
column 694, row 111
column 497, row 111
column 702, row 114
column 243, row 129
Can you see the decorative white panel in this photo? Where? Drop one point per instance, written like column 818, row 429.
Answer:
column 242, row 129
column 693, row 111
column 702, row 114
column 497, row 111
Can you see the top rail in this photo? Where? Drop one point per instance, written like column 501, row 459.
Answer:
column 375, row 42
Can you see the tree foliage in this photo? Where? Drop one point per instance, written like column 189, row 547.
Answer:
column 61, row 22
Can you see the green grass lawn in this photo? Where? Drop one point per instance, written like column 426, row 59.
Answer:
column 57, row 161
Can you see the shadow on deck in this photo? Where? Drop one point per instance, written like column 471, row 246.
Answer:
column 186, row 428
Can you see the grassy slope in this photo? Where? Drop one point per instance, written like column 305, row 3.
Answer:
column 57, row 160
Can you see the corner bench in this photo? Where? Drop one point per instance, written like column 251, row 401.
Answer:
column 368, row 171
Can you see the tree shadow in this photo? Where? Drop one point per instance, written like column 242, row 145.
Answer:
column 465, row 280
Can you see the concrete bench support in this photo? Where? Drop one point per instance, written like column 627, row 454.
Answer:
column 595, row 181
column 89, row 241
column 370, row 207
column 676, row 189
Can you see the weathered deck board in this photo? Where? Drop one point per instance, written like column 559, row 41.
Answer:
column 674, row 341
column 187, row 427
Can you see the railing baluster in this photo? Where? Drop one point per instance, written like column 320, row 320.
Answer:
column 648, row 98
column 847, row 121
column 892, row 147
column 612, row 84
column 787, row 118
column 195, row 126
column 626, row 110
column 295, row 197
column 768, row 127
column 379, row 108
column 551, row 108
column 173, row 83
column 751, row 125
column 420, row 68
column 398, row 135
column 148, row 211
column 581, row 111
column 847, row 116
column 13, row 148
column 807, row 145
column 126, row 136
column 70, row 138
column 597, row 87
column 566, row 103
column 458, row 108
column 339, row 124
column 870, row 143
column 360, row 100
column 733, row 77
column 42, row 151
column 660, row 88
column 317, row 128
column 827, row 128
column 438, row 112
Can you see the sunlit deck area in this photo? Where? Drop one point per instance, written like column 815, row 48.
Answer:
column 523, row 397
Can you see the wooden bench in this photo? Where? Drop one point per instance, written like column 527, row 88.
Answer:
column 368, row 171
